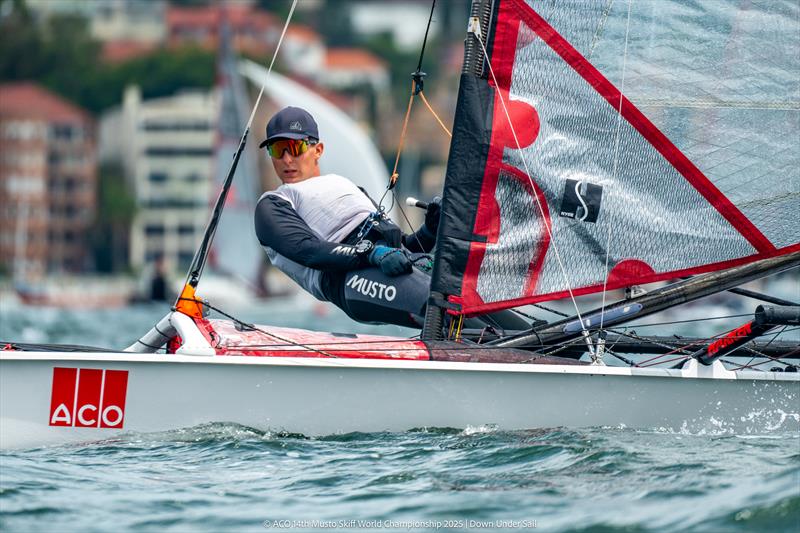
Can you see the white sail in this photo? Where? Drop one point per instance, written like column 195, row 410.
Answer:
column 235, row 254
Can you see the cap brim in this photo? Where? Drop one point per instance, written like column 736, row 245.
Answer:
column 284, row 136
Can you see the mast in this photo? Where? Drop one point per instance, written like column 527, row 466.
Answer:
column 232, row 254
column 470, row 96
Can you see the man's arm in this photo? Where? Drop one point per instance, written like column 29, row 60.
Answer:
column 424, row 239
column 420, row 241
column 278, row 226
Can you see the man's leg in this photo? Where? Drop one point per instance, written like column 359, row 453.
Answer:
column 368, row 295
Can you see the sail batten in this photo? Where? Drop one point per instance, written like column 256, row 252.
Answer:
column 681, row 189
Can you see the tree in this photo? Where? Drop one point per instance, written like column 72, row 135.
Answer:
column 115, row 213
column 61, row 55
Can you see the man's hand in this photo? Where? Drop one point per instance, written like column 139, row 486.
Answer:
column 391, row 261
column 432, row 215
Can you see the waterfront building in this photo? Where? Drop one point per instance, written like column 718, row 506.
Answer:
column 139, row 21
column 347, row 68
column 253, row 31
column 48, row 182
column 166, row 146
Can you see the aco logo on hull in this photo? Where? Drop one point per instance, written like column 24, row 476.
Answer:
column 88, row 398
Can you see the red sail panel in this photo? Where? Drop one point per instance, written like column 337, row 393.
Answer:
column 609, row 188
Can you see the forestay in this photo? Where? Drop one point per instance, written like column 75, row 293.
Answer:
column 650, row 140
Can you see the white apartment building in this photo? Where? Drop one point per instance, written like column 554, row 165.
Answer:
column 129, row 20
column 167, row 148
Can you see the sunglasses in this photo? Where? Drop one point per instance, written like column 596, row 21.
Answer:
column 295, row 147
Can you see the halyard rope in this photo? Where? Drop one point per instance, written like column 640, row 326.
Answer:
column 425, row 100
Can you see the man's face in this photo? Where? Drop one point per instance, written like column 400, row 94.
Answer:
column 293, row 169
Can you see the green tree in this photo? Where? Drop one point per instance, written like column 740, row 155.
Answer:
column 115, row 213
column 61, row 55
column 161, row 73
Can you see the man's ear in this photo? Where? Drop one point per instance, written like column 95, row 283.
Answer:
column 318, row 149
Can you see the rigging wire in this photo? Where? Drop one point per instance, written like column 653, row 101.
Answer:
column 750, row 364
column 272, row 63
column 616, row 159
column 253, row 327
column 393, row 178
column 551, row 310
column 403, row 212
column 201, row 254
column 655, row 360
column 416, row 89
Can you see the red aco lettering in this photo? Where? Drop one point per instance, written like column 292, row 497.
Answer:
column 734, row 336
column 88, row 397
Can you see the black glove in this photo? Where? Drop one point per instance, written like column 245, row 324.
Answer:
column 391, row 261
column 432, row 215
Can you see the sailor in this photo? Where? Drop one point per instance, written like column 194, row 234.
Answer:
column 328, row 235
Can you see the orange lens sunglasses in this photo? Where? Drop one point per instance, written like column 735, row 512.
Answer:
column 295, row 147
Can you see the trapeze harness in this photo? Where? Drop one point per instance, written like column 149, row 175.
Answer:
column 310, row 231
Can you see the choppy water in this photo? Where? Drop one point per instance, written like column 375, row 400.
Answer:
column 221, row 477
column 218, row 477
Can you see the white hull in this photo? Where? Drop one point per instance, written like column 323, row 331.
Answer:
column 318, row 396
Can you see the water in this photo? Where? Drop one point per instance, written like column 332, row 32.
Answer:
column 225, row 477
column 219, row 477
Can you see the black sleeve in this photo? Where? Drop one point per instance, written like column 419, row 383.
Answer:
column 420, row 241
column 279, row 227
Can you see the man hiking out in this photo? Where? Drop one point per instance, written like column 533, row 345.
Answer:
column 326, row 234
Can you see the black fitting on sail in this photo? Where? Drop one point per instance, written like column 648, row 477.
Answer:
column 474, row 62
column 785, row 315
column 434, row 318
column 418, row 83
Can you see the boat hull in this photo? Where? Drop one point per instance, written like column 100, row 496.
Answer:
column 324, row 396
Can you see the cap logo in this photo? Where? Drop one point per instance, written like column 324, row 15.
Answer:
column 295, row 126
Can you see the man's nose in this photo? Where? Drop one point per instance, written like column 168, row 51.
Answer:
column 286, row 157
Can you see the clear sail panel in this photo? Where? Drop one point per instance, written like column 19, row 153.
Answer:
column 650, row 140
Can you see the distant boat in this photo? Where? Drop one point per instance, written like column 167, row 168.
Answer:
column 236, row 261
column 77, row 292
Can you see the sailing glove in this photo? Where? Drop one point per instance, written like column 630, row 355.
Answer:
column 391, row 261
column 432, row 215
